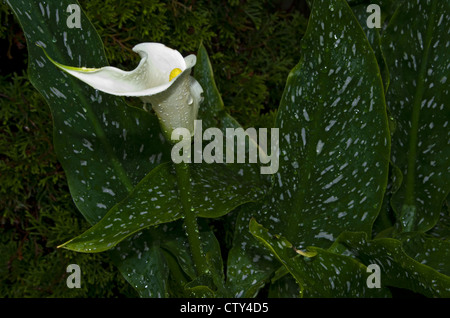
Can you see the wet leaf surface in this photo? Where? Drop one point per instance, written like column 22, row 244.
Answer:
column 334, row 150
column 416, row 45
column 323, row 274
column 397, row 268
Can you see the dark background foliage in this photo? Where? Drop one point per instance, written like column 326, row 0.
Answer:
column 252, row 45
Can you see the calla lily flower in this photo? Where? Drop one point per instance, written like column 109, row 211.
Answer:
column 162, row 79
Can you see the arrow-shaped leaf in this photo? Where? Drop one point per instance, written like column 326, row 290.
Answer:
column 334, row 145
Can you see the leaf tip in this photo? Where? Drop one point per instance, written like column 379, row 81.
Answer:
column 63, row 245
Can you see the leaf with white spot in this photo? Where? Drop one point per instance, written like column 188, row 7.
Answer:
column 98, row 138
column 175, row 241
column 334, row 165
column 143, row 265
column 319, row 273
column 416, row 45
column 104, row 146
column 427, row 250
column 158, row 263
column 397, row 268
column 249, row 265
column 334, row 150
column 442, row 228
column 216, row 191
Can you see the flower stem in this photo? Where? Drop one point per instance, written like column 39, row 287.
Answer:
column 190, row 220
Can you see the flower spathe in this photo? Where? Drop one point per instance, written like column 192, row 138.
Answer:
column 162, row 79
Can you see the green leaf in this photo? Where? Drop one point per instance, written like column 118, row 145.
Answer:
column 284, row 287
column 212, row 109
column 155, row 200
column 214, row 259
column 143, row 264
column 175, row 241
column 334, row 145
column 335, row 141
column 397, row 268
column 322, row 273
column 158, row 263
column 104, row 146
column 427, row 250
column 442, row 228
column 249, row 265
column 199, row 288
column 416, row 47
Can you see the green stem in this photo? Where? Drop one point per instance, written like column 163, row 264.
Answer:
column 190, row 220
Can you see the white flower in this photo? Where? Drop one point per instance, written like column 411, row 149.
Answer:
column 162, row 79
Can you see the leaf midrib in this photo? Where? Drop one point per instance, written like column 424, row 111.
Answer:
column 418, row 97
